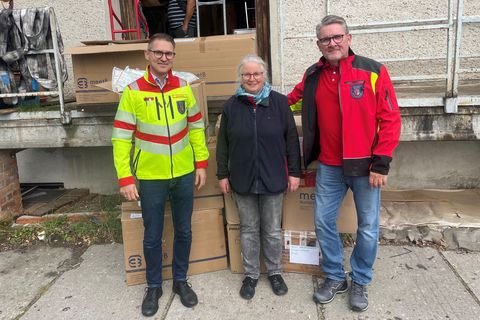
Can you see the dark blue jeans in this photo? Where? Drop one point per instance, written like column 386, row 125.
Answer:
column 153, row 195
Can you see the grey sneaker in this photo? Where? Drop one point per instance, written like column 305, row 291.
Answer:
column 329, row 289
column 358, row 297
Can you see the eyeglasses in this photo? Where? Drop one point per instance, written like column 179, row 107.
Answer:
column 255, row 75
column 159, row 54
column 338, row 38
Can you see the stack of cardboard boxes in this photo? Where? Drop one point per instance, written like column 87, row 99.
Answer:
column 208, row 252
column 212, row 59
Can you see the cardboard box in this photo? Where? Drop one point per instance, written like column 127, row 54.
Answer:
column 213, row 59
column 211, row 187
column 208, row 252
column 200, row 94
column 301, row 252
column 231, row 211
column 235, row 251
column 298, row 209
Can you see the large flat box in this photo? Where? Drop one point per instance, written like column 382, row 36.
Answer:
column 208, row 252
column 213, row 59
column 235, row 251
column 301, row 252
column 298, row 208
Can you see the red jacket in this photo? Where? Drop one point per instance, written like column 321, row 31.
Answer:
column 370, row 115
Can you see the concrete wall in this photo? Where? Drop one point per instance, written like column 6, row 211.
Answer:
column 90, row 168
column 416, row 165
column 436, row 165
column 78, row 21
column 293, row 36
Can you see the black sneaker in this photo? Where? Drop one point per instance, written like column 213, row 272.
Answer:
column 278, row 285
column 186, row 293
column 358, row 297
column 329, row 289
column 150, row 301
column 248, row 288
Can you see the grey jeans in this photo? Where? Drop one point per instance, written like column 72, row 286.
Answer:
column 179, row 33
column 260, row 217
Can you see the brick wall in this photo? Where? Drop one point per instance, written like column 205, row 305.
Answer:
column 10, row 195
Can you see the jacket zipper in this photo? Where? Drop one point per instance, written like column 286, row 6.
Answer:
column 256, row 143
column 169, row 138
column 387, row 97
column 340, row 104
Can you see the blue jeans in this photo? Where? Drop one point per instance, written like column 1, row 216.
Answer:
column 153, row 195
column 260, row 218
column 331, row 187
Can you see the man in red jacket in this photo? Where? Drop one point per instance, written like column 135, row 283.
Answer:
column 351, row 125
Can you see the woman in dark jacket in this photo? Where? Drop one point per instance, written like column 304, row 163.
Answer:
column 258, row 158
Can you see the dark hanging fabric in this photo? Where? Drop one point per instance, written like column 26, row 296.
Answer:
column 21, row 32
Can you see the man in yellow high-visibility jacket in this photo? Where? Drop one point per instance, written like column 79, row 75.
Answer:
column 170, row 157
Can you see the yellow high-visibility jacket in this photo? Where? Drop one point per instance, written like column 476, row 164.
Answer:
column 168, row 130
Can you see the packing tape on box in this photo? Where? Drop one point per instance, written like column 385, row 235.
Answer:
column 202, row 45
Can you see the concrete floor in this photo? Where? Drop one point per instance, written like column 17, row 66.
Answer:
column 409, row 283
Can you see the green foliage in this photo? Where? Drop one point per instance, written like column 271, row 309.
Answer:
column 104, row 228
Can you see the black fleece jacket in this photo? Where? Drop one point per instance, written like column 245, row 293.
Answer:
column 257, row 145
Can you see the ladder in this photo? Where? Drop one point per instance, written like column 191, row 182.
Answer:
column 139, row 19
column 200, row 3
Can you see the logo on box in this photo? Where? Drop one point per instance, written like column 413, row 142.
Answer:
column 135, row 261
column 82, row 83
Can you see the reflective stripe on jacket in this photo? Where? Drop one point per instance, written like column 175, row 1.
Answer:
column 370, row 115
column 167, row 127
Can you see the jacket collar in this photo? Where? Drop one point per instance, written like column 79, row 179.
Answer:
column 264, row 103
column 172, row 81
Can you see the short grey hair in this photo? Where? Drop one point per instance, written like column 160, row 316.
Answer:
column 331, row 19
column 252, row 58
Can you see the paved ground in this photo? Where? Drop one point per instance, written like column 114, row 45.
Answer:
column 57, row 283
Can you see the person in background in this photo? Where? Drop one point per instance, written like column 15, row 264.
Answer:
column 258, row 158
column 168, row 159
column 155, row 12
column 182, row 18
column 351, row 124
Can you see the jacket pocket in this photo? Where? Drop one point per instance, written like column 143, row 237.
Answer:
column 136, row 160
column 387, row 99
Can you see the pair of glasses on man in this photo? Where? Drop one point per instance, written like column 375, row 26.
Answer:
column 255, row 75
column 338, row 38
column 159, row 54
